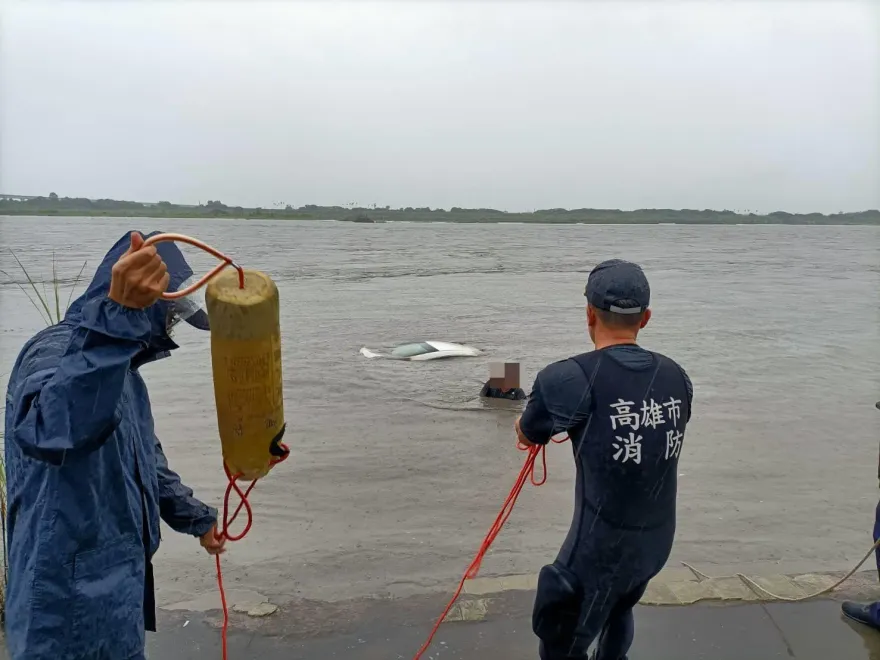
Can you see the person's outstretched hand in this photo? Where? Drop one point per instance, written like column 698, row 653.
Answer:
column 139, row 277
column 212, row 542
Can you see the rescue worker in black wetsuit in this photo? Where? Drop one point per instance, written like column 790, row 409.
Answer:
column 625, row 410
column 868, row 615
column 503, row 382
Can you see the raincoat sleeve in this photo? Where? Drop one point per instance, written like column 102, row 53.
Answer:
column 180, row 510
column 72, row 408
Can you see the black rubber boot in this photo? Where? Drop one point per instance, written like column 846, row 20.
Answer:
column 859, row 613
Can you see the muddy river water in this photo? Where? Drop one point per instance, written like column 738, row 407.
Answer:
column 387, row 492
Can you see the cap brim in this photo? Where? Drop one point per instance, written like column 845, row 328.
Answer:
column 199, row 320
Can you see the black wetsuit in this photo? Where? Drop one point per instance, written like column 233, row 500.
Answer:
column 625, row 410
column 515, row 394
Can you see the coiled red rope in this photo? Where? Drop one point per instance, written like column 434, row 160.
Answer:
column 526, row 474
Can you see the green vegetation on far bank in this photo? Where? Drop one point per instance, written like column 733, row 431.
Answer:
column 77, row 206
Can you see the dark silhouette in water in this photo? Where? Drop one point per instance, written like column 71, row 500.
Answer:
column 503, row 382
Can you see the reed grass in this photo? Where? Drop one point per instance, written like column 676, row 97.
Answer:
column 47, row 305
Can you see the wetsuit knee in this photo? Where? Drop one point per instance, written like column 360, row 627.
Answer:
column 558, row 602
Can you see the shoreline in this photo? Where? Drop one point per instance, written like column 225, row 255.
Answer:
column 676, row 585
column 672, row 587
column 676, row 615
column 814, row 630
column 615, row 218
column 380, row 630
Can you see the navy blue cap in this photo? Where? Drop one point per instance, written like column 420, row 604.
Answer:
column 618, row 286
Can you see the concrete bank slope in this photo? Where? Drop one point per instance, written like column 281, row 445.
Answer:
column 759, row 631
column 808, row 631
column 684, row 616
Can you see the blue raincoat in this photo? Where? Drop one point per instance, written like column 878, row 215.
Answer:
column 87, row 479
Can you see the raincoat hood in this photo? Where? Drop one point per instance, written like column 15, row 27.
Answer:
column 161, row 343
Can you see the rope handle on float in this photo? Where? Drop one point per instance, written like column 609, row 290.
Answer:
column 224, row 262
column 223, row 531
column 526, row 474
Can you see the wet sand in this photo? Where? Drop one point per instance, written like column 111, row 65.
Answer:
column 386, row 496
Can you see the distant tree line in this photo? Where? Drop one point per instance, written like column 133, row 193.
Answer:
column 81, row 206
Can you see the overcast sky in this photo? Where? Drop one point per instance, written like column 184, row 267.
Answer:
column 512, row 105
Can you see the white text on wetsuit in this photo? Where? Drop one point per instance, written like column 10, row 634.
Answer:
column 652, row 415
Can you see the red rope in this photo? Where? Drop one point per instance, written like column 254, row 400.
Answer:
column 527, row 473
column 224, row 533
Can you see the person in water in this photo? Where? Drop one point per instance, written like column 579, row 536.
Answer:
column 625, row 410
column 503, row 382
column 868, row 615
column 87, row 479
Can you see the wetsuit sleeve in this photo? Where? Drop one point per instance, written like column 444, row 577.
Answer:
column 180, row 510
column 72, row 409
column 559, row 401
column 690, row 391
column 536, row 423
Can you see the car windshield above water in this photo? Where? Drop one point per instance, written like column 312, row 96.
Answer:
column 411, row 350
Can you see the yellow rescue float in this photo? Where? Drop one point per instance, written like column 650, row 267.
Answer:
column 246, row 361
column 243, row 313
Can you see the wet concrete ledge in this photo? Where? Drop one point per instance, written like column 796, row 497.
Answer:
column 396, row 629
column 683, row 586
column 683, row 616
column 672, row 587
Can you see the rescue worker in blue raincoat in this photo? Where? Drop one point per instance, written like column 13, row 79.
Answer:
column 625, row 410
column 86, row 476
column 868, row 615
